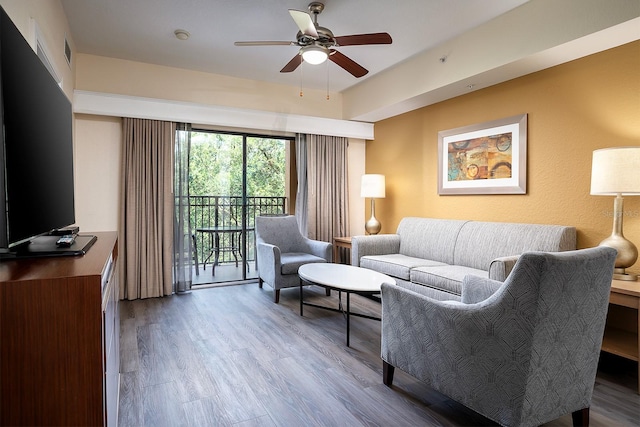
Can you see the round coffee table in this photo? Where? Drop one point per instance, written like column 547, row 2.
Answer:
column 342, row 278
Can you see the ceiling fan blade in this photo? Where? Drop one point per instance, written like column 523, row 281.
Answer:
column 265, row 43
column 304, row 22
column 292, row 65
column 348, row 64
column 360, row 39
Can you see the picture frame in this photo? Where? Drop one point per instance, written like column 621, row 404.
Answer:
column 484, row 158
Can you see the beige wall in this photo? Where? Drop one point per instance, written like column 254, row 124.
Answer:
column 97, row 172
column 356, row 168
column 118, row 76
column 573, row 109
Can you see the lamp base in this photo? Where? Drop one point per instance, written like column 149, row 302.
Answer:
column 627, row 251
column 373, row 226
column 620, row 274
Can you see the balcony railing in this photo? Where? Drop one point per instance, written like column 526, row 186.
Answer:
column 225, row 213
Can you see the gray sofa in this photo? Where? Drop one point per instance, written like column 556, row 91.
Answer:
column 433, row 256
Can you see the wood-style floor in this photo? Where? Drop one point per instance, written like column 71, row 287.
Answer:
column 229, row 356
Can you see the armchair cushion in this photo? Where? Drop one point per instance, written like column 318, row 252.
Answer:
column 290, row 262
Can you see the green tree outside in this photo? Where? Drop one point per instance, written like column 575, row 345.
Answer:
column 215, row 165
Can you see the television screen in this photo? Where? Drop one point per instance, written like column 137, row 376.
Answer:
column 37, row 144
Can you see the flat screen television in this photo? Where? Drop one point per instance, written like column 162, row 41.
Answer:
column 36, row 153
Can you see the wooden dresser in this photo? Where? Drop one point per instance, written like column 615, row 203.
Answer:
column 59, row 334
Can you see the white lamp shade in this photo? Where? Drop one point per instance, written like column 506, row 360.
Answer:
column 616, row 171
column 372, row 186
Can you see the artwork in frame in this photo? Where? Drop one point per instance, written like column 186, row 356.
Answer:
column 485, row 158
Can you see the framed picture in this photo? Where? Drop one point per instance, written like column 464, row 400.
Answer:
column 486, row 158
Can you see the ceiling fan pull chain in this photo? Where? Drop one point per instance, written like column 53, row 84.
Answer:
column 327, row 80
column 301, row 94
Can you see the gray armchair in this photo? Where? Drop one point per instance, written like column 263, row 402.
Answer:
column 522, row 352
column 282, row 249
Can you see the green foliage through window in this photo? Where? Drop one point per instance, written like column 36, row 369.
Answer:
column 215, row 167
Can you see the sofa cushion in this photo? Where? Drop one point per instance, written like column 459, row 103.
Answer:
column 395, row 265
column 428, row 291
column 291, row 261
column 429, row 238
column 479, row 243
column 445, row 277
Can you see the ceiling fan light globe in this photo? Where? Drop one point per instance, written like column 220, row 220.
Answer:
column 314, row 55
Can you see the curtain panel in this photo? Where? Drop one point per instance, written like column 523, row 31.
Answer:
column 183, row 234
column 146, row 209
column 322, row 186
column 302, row 193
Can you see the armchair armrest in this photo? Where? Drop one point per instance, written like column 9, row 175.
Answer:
column 268, row 257
column 320, row 249
column 476, row 289
column 379, row 244
column 500, row 268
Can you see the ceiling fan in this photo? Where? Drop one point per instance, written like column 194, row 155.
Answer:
column 317, row 43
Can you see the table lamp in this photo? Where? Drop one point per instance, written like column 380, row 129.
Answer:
column 616, row 172
column 373, row 187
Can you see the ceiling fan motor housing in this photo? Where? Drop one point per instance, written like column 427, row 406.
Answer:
column 325, row 38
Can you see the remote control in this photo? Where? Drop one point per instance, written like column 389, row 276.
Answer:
column 66, row 241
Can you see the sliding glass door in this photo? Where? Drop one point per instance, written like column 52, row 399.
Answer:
column 233, row 178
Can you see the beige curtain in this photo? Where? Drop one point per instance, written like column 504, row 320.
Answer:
column 146, row 209
column 327, row 198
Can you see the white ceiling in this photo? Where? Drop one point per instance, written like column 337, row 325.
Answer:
column 143, row 30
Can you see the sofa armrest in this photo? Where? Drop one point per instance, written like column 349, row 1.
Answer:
column 500, row 268
column 476, row 289
column 379, row 244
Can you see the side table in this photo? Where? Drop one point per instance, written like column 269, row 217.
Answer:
column 340, row 242
column 623, row 321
